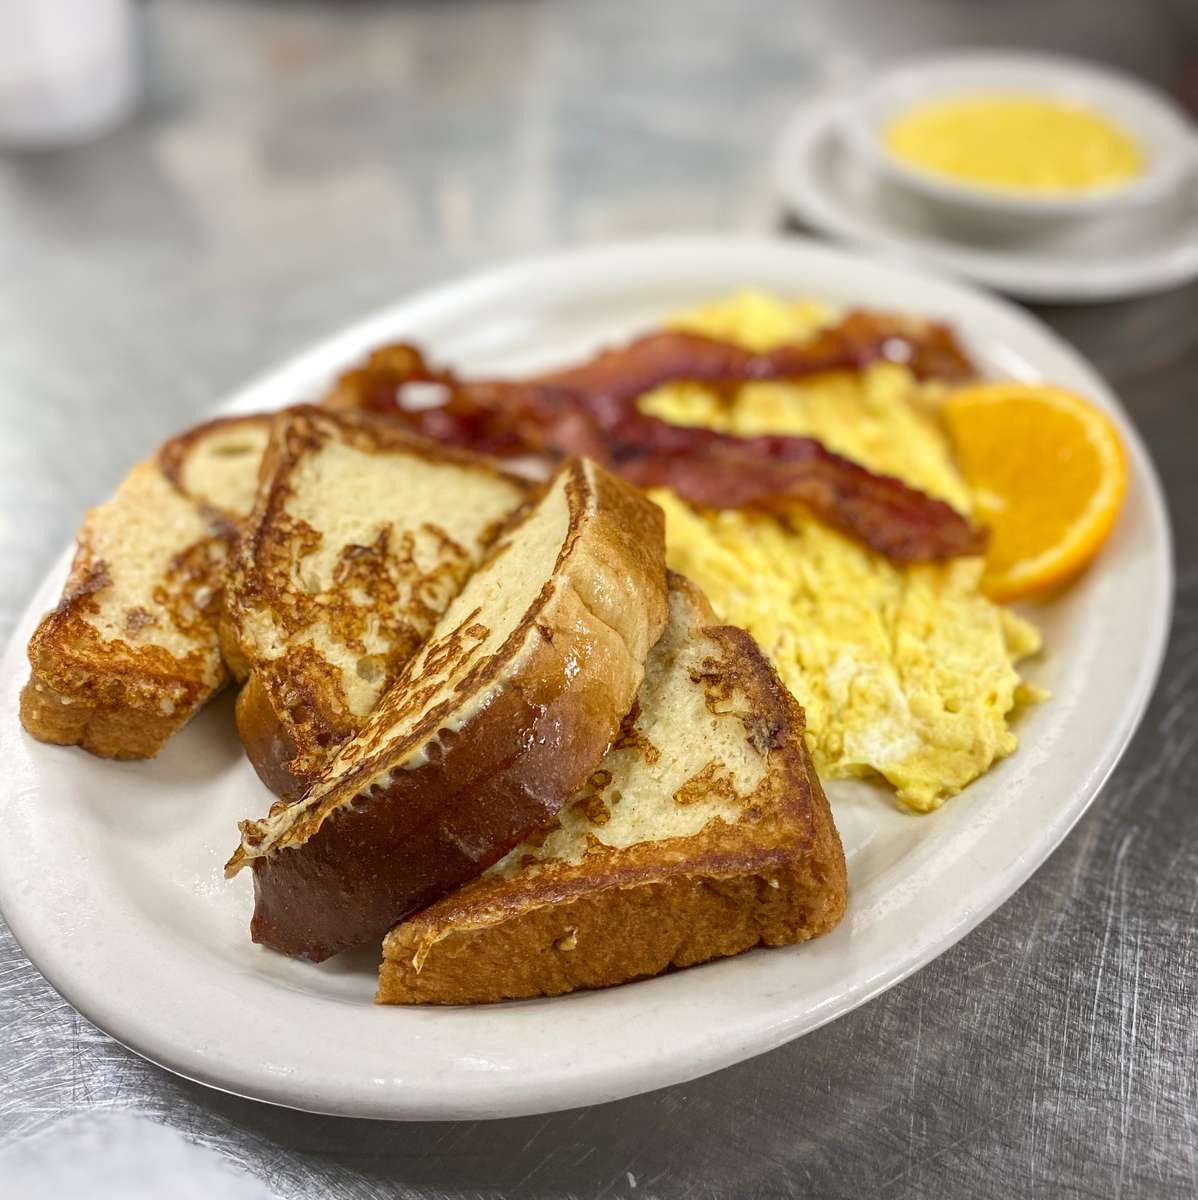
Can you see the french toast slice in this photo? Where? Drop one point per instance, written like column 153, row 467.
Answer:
column 217, row 464
column 704, row 833
column 360, row 537
column 501, row 715
column 132, row 649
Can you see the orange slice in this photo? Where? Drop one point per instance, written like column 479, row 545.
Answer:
column 1048, row 475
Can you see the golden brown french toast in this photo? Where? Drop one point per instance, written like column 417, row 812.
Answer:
column 132, row 649
column 703, row 833
column 502, row 714
column 360, row 537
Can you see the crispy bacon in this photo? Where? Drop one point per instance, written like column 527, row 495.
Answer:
column 624, row 374
column 721, row 471
column 591, row 410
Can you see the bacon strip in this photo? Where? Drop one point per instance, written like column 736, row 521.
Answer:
column 627, row 373
column 902, row 523
column 591, row 410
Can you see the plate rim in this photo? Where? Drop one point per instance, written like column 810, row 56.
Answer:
column 619, row 1081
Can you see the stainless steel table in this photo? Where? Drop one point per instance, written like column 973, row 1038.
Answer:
column 299, row 164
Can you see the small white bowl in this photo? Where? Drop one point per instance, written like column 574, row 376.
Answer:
column 1159, row 126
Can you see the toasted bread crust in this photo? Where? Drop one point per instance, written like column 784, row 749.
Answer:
column 774, row 877
column 296, row 712
column 267, row 741
column 114, row 696
column 226, row 503
column 368, row 852
column 623, row 933
column 230, row 646
column 106, row 731
column 118, row 692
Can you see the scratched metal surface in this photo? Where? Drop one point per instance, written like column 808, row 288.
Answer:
column 300, row 164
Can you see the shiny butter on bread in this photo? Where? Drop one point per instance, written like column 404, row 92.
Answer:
column 132, row 651
column 502, row 714
column 361, row 536
column 703, row 833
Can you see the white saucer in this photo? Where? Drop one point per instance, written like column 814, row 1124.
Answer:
column 110, row 872
column 826, row 187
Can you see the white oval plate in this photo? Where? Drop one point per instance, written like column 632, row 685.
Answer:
column 110, row 873
column 831, row 190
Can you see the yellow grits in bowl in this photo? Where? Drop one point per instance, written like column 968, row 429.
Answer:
column 906, row 672
column 1016, row 142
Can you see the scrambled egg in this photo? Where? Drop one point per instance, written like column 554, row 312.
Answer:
column 907, row 672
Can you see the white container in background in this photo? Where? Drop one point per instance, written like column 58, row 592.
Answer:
column 68, row 70
column 1157, row 124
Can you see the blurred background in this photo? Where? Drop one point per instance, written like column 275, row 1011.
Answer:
column 281, row 167
column 291, row 164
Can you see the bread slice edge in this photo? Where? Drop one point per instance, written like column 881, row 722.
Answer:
column 403, row 828
column 629, row 913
